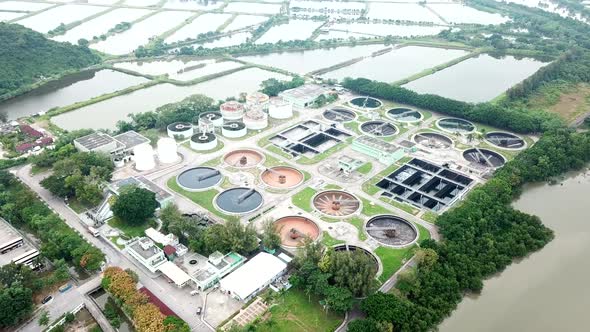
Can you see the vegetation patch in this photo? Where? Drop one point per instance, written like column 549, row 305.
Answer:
column 297, row 312
column 303, row 198
column 329, row 241
column 202, row 198
column 392, row 259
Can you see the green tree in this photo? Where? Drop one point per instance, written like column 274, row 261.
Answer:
column 44, row 318
column 16, row 303
column 135, row 205
column 271, row 238
column 338, row 299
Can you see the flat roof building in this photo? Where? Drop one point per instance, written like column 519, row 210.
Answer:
column 147, row 253
column 304, row 95
column 385, row 152
column 252, row 277
column 163, row 197
column 103, row 142
column 14, row 248
column 217, row 267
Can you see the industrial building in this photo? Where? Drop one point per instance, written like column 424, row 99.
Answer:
column 215, row 268
column 252, row 277
column 14, row 248
column 385, row 152
column 120, row 147
column 303, row 96
column 147, row 253
column 163, row 197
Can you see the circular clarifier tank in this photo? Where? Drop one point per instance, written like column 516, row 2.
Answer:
column 391, row 230
column 294, row 229
column 379, row 128
column 282, row 177
column 367, row 103
column 239, row 201
column 505, row 140
column 454, row 125
column 433, row 140
column 352, row 248
column 339, row 115
column 243, row 158
column 199, row 178
column 404, row 114
column 336, row 203
column 484, row 157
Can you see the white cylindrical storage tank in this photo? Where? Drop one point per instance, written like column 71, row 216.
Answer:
column 255, row 119
column 119, row 162
column 234, row 129
column 203, row 141
column 144, row 157
column 257, row 99
column 182, row 129
column 167, row 150
column 207, row 119
column 280, row 109
column 231, row 110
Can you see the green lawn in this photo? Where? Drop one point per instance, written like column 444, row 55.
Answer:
column 329, row 241
column 392, row 260
column 365, row 168
column 429, row 216
column 295, row 313
column 213, row 162
column 332, row 186
column 302, row 199
column 271, row 161
column 131, row 230
column 359, row 223
column 77, row 206
column 424, row 233
column 202, row 198
column 373, row 209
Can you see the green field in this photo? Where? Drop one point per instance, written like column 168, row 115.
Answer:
column 295, row 313
column 202, row 198
column 302, row 199
column 392, row 260
column 131, row 230
column 329, row 241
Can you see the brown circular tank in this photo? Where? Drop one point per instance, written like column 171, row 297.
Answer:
column 294, row 229
column 282, row 177
column 243, row 158
column 336, row 203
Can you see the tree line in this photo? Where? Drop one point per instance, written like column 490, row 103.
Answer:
column 21, row 207
column 516, row 119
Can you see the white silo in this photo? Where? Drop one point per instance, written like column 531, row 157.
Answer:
column 255, row 119
column 144, row 157
column 280, row 109
column 167, row 153
column 257, row 99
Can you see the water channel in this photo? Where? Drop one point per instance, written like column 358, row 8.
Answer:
column 547, row 291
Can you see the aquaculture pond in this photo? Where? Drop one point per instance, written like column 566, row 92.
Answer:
column 141, row 32
column 477, row 79
column 302, row 62
column 66, row 91
column 101, row 25
column 115, row 109
column 400, row 63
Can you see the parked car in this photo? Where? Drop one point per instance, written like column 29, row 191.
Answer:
column 47, row 300
column 199, row 310
column 65, row 287
column 194, row 292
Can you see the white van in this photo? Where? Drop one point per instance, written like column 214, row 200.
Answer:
column 194, row 292
column 93, row 231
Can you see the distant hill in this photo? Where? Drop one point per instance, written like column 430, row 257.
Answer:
column 26, row 56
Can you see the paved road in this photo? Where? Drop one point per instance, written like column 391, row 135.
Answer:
column 178, row 300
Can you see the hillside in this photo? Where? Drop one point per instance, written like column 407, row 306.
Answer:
column 26, row 56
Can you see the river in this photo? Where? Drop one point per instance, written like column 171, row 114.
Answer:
column 547, row 291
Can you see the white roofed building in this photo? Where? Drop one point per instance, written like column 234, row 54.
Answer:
column 252, row 277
